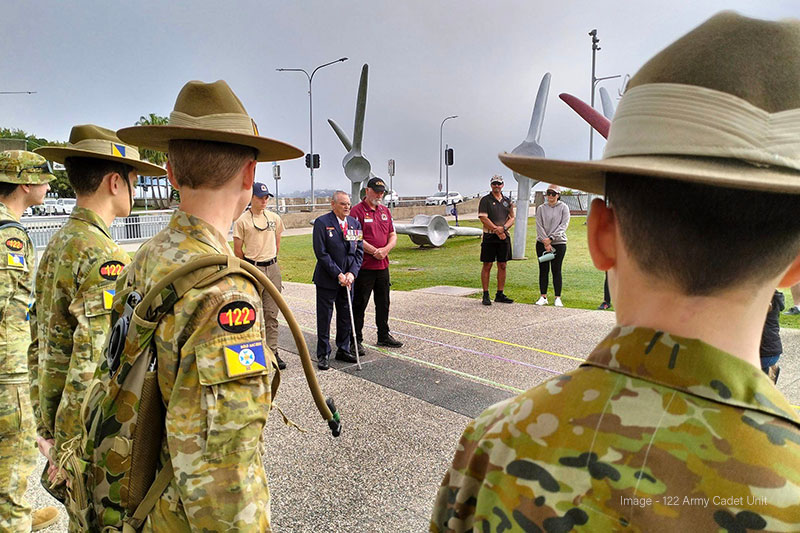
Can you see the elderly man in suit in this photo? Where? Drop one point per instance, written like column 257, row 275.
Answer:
column 339, row 249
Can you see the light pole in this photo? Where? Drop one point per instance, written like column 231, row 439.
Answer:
column 440, row 148
column 311, row 116
column 595, row 81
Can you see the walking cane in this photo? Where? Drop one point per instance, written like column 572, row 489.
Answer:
column 353, row 324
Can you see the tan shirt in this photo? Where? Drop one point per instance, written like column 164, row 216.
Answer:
column 259, row 240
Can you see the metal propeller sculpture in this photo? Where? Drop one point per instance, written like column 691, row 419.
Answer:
column 356, row 167
column 424, row 229
column 530, row 146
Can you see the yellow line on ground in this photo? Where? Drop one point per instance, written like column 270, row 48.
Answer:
column 498, row 341
column 489, row 339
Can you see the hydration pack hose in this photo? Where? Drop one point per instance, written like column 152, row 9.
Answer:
column 326, row 407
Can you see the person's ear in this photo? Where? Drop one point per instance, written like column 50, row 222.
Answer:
column 114, row 183
column 171, row 177
column 792, row 274
column 249, row 174
column 602, row 235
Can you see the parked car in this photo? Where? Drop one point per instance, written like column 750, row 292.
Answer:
column 64, row 206
column 47, row 208
column 439, row 198
column 391, row 199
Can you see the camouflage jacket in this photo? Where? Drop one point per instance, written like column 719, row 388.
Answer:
column 16, row 277
column 653, row 433
column 74, row 290
column 214, row 381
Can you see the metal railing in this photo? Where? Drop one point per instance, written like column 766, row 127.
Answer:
column 135, row 228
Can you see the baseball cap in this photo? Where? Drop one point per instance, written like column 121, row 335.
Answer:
column 377, row 185
column 260, row 190
column 496, row 179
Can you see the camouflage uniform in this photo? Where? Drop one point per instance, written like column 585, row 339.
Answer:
column 74, row 290
column 17, row 437
column 653, row 433
column 216, row 412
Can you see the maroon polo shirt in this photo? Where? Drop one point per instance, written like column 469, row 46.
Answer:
column 376, row 225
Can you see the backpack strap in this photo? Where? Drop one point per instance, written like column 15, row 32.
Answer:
column 134, row 523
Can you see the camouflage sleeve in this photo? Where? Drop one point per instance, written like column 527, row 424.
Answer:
column 218, row 408
column 456, row 500
column 15, row 289
column 33, row 373
column 56, row 326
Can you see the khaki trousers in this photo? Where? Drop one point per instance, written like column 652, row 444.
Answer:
column 273, row 272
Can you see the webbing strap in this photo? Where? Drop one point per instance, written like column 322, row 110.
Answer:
column 158, row 487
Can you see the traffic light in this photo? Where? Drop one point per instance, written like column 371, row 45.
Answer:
column 448, row 157
column 309, row 160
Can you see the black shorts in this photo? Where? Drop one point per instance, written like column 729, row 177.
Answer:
column 493, row 248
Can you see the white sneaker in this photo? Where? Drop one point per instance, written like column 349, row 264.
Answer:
column 558, row 302
column 542, row 300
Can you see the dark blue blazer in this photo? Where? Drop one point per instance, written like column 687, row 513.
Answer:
column 334, row 254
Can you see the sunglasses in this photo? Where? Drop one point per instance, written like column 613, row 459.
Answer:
column 496, row 183
column 44, row 167
column 551, row 192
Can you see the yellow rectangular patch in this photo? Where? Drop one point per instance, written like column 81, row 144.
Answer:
column 244, row 359
column 108, row 298
column 16, row 260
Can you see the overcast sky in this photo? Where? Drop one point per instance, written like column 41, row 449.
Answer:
column 108, row 62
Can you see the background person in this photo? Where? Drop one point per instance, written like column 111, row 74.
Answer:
column 496, row 213
column 552, row 219
column 673, row 401
column 771, row 345
column 373, row 277
column 337, row 241
column 257, row 239
column 795, row 309
column 24, row 178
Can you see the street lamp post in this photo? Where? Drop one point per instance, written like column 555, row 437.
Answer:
column 440, row 148
column 595, row 81
column 311, row 116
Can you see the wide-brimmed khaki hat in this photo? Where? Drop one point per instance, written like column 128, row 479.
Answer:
column 209, row 112
column 719, row 106
column 88, row 140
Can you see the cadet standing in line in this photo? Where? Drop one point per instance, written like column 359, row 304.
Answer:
column 257, row 240
column 670, row 424
column 24, row 178
column 75, row 281
column 215, row 411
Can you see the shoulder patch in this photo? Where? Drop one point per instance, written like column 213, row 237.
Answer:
column 16, row 260
column 237, row 317
column 246, row 358
column 14, row 244
column 111, row 270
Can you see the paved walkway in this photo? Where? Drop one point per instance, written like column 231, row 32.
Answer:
column 404, row 412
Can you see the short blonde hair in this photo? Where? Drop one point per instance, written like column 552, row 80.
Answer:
column 207, row 164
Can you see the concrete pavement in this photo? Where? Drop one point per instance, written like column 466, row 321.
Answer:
column 404, row 412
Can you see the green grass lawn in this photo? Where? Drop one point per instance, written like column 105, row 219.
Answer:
column 456, row 263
